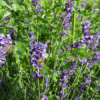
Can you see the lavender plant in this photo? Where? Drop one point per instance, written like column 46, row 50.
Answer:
column 56, row 52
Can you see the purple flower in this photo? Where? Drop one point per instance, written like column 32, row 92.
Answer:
column 2, row 63
column 58, row 52
column 81, row 88
column 43, row 96
column 46, row 82
column 67, row 61
column 86, row 81
column 35, row 74
column 62, row 16
column 36, row 4
column 62, row 84
column 95, row 59
column 68, row 48
column 98, row 86
column 31, row 39
column 4, row 43
column 2, row 89
column 86, row 25
column 63, row 95
column 19, row 87
column 83, row 61
column 63, row 33
column 66, row 17
column 12, row 32
column 37, row 9
column 72, row 0
column 25, row 12
column 27, row 92
column 25, row 19
column 89, row 67
column 4, row 20
column 2, row 57
column 84, row 3
column 75, row 98
column 31, row 33
column 79, row 16
column 1, row 80
column 68, row 6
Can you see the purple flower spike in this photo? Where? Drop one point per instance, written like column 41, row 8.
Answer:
column 83, row 61
column 2, row 57
column 98, row 87
column 87, row 80
column 43, row 96
column 67, row 61
column 25, row 19
column 1, row 81
column 58, row 52
column 68, row 48
column 4, row 20
column 62, row 16
column 79, row 16
column 63, row 95
column 63, row 33
column 31, row 39
column 25, row 12
column 37, row 9
column 89, row 67
column 36, row 4
column 34, row 74
column 27, row 92
column 75, row 98
column 83, row 86
column 31, row 33
column 46, row 82
column 2, row 89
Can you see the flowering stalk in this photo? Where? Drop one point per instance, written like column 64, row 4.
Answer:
column 37, row 55
column 38, row 67
column 36, row 9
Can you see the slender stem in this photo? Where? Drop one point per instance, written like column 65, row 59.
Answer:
column 36, row 32
column 74, row 14
column 38, row 85
column 55, row 42
column 73, row 23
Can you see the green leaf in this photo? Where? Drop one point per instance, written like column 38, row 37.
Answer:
column 1, row 13
column 55, row 75
column 3, row 3
column 56, row 6
column 84, row 12
column 42, row 19
column 7, row 14
column 15, row 7
column 20, row 2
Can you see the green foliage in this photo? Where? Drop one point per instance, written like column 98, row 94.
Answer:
column 48, row 25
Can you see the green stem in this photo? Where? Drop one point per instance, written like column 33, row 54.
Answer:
column 73, row 23
column 73, row 26
column 38, row 86
column 36, row 32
